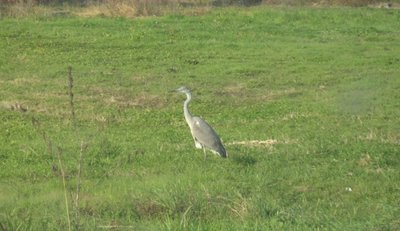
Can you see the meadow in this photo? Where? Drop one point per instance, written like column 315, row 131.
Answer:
column 306, row 101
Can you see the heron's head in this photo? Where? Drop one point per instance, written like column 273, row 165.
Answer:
column 183, row 89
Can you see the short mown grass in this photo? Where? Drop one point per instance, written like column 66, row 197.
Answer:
column 323, row 84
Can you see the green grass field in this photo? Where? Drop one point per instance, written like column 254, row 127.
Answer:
column 321, row 85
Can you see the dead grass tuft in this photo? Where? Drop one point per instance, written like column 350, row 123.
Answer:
column 148, row 209
column 365, row 160
column 240, row 208
column 302, row 188
column 15, row 106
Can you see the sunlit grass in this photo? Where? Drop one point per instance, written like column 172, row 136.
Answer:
column 306, row 101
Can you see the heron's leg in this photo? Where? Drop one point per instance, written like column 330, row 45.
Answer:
column 205, row 154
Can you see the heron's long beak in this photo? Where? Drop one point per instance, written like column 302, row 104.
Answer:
column 182, row 90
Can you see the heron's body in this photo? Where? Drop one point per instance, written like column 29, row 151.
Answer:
column 203, row 134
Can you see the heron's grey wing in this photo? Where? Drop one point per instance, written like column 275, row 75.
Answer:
column 206, row 135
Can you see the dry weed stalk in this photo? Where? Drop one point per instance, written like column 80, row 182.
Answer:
column 47, row 141
column 36, row 124
column 71, row 94
column 78, row 185
column 59, row 152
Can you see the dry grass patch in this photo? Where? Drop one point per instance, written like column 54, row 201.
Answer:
column 149, row 209
column 388, row 138
column 241, row 93
column 24, row 9
column 141, row 100
column 140, row 8
column 365, row 160
column 296, row 115
column 25, row 81
column 274, row 94
column 13, row 106
column 302, row 188
column 149, row 100
column 240, row 207
column 253, row 143
column 136, row 8
column 234, row 90
column 109, row 9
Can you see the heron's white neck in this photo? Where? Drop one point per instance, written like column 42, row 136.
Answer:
column 188, row 115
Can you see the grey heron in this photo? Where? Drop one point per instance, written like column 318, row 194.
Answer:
column 204, row 135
